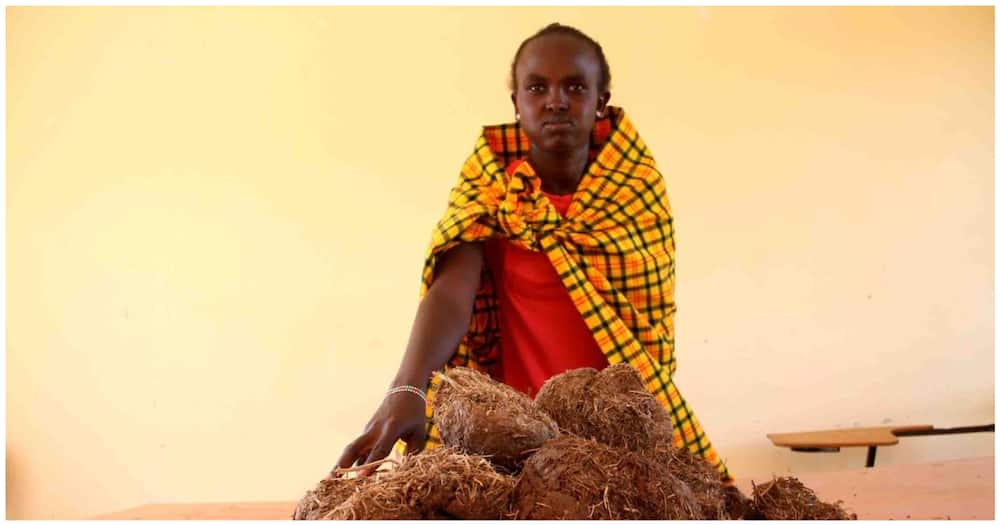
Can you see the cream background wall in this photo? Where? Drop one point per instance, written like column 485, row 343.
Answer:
column 216, row 219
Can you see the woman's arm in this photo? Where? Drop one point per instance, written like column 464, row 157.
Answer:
column 442, row 319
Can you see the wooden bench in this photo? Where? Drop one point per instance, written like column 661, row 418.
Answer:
column 871, row 437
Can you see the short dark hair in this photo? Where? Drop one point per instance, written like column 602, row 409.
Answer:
column 558, row 29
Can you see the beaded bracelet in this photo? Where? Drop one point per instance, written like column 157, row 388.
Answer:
column 407, row 388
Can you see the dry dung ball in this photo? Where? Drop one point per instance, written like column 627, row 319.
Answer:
column 788, row 499
column 480, row 416
column 378, row 503
column 571, row 477
column 611, row 406
column 439, row 483
column 738, row 506
column 700, row 476
column 325, row 497
column 716, row 500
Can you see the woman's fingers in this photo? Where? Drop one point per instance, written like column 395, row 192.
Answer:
column 379, row 451
column 416, row 441
column 355, row 451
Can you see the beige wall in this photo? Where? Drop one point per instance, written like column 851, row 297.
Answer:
column 216, row 219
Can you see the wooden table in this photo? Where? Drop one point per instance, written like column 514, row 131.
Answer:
column 956, row 489
column 871, row 437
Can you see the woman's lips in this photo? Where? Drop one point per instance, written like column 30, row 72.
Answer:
column 558, row 126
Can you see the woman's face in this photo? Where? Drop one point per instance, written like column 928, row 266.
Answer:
column 557, row 92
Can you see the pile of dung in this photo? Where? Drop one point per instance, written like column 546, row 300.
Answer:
column 480, row 416
column 439, row 483
column 326, row 496
column 788, row 499
column 738, row 506
column 611, row 406
column 593, row 445
column 702, row 478
column 571, row 477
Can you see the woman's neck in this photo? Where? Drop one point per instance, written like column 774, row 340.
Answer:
column 560, row 173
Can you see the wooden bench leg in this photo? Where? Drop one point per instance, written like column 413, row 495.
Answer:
column 870, row 462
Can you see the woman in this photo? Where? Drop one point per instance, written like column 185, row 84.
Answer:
column 558, row 246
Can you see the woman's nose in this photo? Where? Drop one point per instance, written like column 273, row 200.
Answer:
column 557, row 100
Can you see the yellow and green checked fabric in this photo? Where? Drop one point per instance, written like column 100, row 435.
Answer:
column 614, row 252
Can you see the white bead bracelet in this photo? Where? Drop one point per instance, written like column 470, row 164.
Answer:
column 407, row 388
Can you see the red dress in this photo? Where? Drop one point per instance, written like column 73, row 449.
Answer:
column 541, row 332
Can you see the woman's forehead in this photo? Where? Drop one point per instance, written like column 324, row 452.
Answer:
column 562, row 55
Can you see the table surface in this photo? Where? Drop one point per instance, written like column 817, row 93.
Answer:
column 845, row 437
column 954, row 489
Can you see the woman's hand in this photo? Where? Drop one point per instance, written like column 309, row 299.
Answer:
column 442, row 319
column 400, row 416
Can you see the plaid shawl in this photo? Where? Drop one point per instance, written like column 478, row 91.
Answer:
column 614, row 251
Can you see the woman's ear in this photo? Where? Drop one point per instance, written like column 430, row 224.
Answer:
column 602, row 104
column 513, row 100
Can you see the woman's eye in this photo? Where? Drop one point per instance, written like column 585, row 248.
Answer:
column 536, row 88
column 576, row 87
